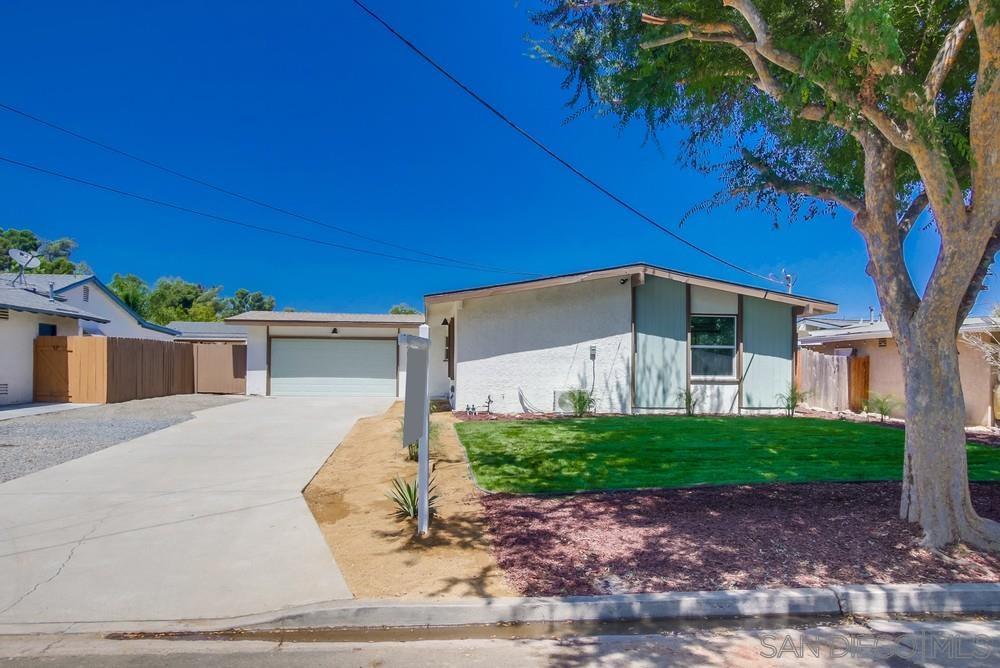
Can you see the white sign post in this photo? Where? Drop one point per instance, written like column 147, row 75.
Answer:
column 417, row 414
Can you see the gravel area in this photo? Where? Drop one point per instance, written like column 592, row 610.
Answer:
column 744, row 537
column 30, row 444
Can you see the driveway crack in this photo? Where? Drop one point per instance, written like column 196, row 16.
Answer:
column 62, row 566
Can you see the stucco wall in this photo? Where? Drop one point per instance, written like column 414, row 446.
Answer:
column 439, row 384
column 257, row 348
column 122, row 324
column 538, row 342
column 885, row 376
column 17, row 344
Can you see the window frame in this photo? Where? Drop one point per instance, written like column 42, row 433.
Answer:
column 714, row 346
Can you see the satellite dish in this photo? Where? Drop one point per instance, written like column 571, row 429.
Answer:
column 26, row 260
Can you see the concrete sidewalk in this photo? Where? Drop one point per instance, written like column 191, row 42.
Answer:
column 40, row 408
column 203, row 519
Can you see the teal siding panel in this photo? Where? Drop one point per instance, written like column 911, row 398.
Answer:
column 661, row 343
column 767, row 352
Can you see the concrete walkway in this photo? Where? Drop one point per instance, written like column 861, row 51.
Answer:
column 41, row 408
column 202, row 519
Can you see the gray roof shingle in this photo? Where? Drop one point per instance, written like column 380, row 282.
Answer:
column 19, row 299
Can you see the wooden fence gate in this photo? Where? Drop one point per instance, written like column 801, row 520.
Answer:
column 98, row 369
column 220, row 368
column 833, row 382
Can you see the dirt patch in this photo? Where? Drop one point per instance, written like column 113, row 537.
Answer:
column 741, row 537
column 379, row 555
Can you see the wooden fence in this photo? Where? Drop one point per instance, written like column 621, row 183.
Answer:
column 220, row 368
column 98, row 369
column 833, row 382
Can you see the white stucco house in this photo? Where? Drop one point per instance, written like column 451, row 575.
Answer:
column 57, row 305
column 324, row 354
column 637, row 336
column 24, row 315
column 86, row 291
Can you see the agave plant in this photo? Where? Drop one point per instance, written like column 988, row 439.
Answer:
column 405, row 496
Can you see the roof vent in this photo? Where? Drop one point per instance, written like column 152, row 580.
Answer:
column 86, row 293
column 52, row 291
column 4, row 314
column 3, row 389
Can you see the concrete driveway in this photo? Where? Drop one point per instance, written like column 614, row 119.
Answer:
column 203, row 519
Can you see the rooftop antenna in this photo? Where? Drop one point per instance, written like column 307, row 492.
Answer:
column 786, row 278
column 25, row 260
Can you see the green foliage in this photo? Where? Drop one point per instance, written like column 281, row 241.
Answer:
column 578, row 402
column 243, row 300
column 792, row 399
column 881, row 404
column 54, row 255
column 688, row 400
column 176, row 299
column 404, row 496
column 566, row 455
column 707, row 86
column 133, row 291
column 403, row 309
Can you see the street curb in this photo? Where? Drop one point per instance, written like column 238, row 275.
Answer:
column 830, row 602
column 620, row 607
column 960, row 598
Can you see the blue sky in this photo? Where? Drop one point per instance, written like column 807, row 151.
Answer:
column 313, row 107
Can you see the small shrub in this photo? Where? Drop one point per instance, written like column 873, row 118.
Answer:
column 412, row 451
column 578, row 402
column 690, row 401
column 404, row 495
column 792, row 399
column 882, row 404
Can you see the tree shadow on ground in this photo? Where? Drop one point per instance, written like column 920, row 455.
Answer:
column 722, row 538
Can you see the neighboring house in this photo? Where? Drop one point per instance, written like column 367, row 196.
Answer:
column 89, row 293
column 885, row 372
column 638, row 336
column 24, row 315
column 208, row 332
column 325, row 354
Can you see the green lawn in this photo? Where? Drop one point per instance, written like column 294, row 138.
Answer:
column 571, row 455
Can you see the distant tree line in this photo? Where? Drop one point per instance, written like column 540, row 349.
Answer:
column 169, row 298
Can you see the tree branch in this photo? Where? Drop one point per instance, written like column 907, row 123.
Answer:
column 984, row 118
column 909, row 217
column 781, row 184
column 790, row 62
column 946, row 56
column 727, row 33
column 979, row 277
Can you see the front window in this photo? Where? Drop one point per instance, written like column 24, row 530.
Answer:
column 713, row 347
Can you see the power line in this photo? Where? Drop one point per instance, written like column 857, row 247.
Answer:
column 252, row 200
column 551, row 153
column 223, row 219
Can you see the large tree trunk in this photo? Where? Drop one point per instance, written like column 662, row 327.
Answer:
column 935, row 472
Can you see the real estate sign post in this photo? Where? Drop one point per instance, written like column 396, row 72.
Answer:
column 416, row 414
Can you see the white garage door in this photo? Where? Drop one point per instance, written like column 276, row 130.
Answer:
column 333, row 367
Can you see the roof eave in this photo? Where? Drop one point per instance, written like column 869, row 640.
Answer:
column 57, row 314
column 809, row 305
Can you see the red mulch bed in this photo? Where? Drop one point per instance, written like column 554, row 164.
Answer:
column 742, row 537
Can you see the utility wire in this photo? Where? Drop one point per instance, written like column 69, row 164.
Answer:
column 212, row 216
column 551, row 153
column 252, row 200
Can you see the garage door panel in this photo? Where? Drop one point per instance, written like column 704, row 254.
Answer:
column 333, row 367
